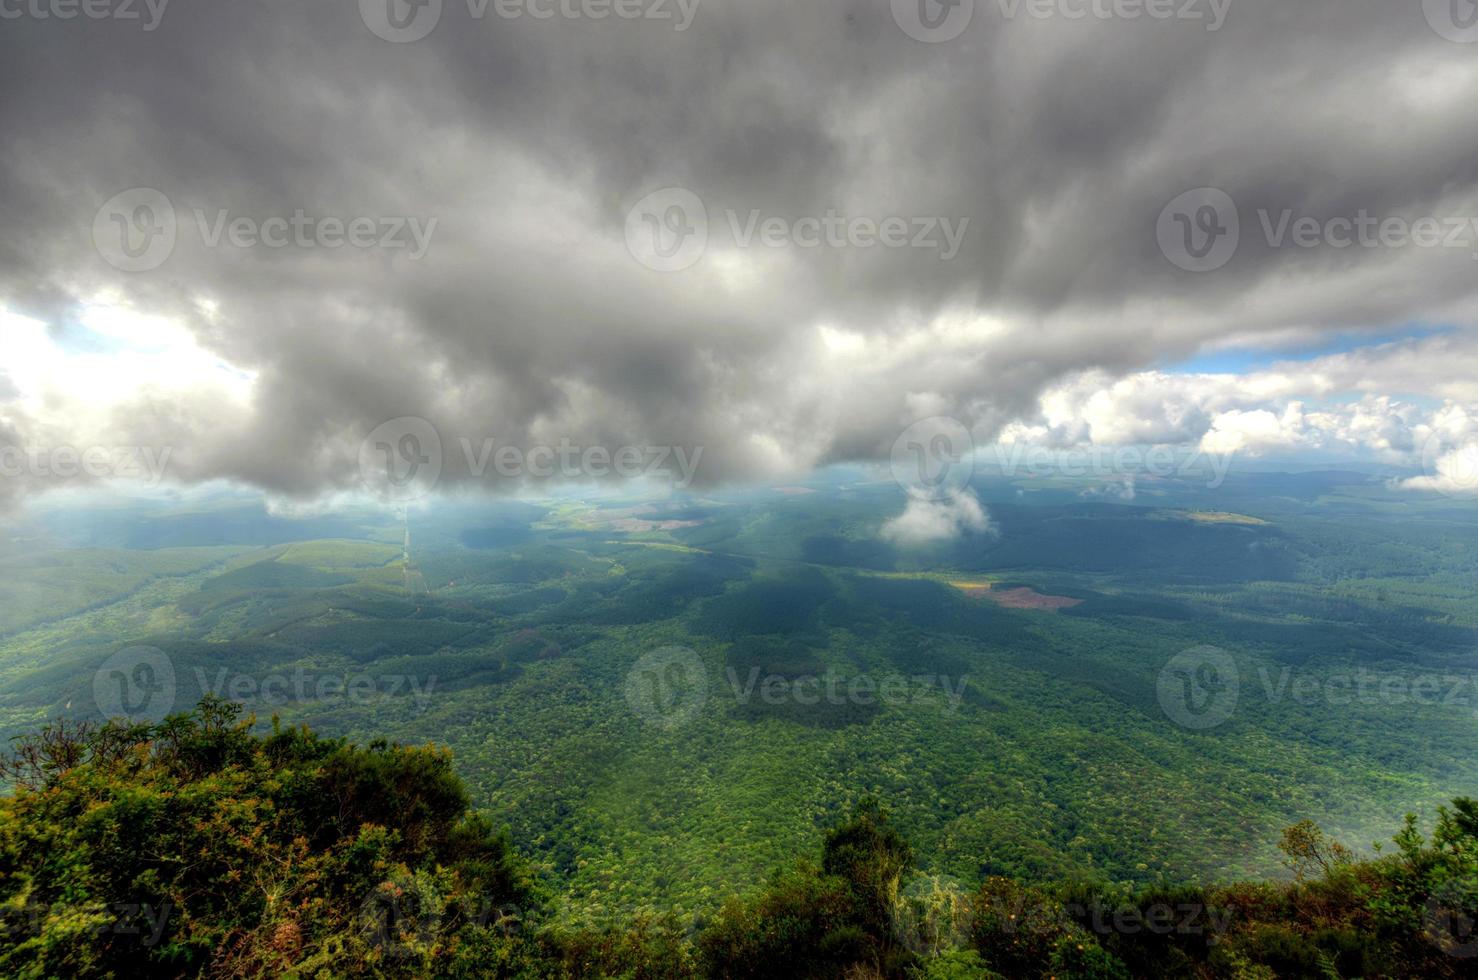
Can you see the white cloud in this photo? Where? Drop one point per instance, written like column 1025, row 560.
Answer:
column 1258, row 430
column 1373, row 403
column 1454, row 472
column 927, row 521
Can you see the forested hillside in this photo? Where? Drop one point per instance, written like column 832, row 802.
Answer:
column 195, row 847
column 1009, row 695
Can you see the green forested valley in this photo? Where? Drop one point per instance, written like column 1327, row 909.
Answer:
column 652, row 720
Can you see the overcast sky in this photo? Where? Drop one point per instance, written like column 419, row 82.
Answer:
column 254, row 232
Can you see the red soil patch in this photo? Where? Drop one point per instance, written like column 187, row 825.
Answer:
column 1025, row 598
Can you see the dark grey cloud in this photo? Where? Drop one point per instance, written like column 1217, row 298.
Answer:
column 528, row 141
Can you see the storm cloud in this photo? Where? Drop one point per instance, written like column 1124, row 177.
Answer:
column 778, row 231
